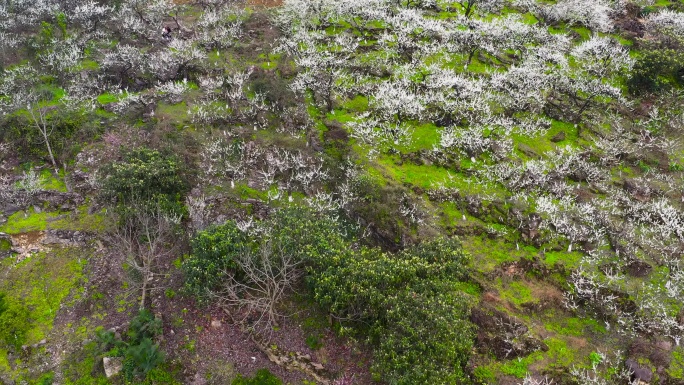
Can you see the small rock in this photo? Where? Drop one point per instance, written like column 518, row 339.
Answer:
column 215, row 323
column 304, row 357
column 11, row 209
column 317, row 366
column 112, row 365
column 559, row 137
column 37, row 209
column 528, row 151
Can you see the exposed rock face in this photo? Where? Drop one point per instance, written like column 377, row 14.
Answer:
column 65, row 238
column 55, row 200
column 502, row 335
column 28, row 243
column 559, row 137
column 5, row 245
column 112, row 365
column 46, row 199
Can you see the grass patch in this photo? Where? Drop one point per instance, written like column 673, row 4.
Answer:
column 520, row 367
column 569, row 259
column 424, row 137
column 107, row 98
column 676, row 368
column 517, row 292
column 49, row 182
column 80, row 220
column 25, row 221
column 43, row 283
column 426, row 176
column 489, row 253
column 358, row 104
column 174, row 112
column 574, row 326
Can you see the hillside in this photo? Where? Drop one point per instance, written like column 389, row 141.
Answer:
column 341, row 192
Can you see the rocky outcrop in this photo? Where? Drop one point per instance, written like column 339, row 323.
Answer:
column 56, row 200
column 65, row 238
column 5, row 245
column 43, row 200
column 112, row 365
column 502, row 335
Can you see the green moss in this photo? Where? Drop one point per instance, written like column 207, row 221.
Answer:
column 174, row 112
column 22, row 222
column 43, row 282
column 574, row 326
column 676, row 368
column 80, row 220
column 570, row 260
column 517, row 292
column 584, row 32
column 89, row 65
column 484, row 375
column 490, row 253
column 49, row 182
column 519, row 367
column 79, row 367
column 559, row 354
column 246, row 192
column 107, row 98
column 5, row 245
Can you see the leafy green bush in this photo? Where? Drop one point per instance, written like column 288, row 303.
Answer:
column 262, row 377
column 408, row 304
column 141, row 358
column 417, row 317
column 141, row 355
column 296, row 231
column 144, row 175
column 213, row 251
column 14, row 322
column 143, row 326
column 657, row 69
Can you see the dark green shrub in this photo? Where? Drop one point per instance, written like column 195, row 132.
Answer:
column 657, row 69
column 424, row 338
column 262, row 377
column 141, row 356
column 213, row 252
column 144, row 175
column 407, row 304
column 418, row 319
column 143, row 326
column 295, row 231
column 14, row 322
